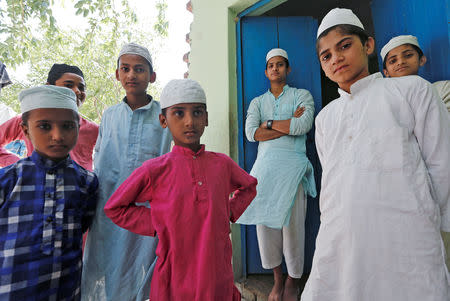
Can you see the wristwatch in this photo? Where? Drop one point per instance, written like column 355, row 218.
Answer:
column 269, row 124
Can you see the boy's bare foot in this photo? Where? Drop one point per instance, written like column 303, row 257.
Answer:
column 277, row 292
column 290, row 289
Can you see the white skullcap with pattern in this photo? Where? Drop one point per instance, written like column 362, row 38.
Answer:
column 276, row 52
column 133, row 48
column 338, row 16
column 397, row 41
column 47, row 97
column 182, row 91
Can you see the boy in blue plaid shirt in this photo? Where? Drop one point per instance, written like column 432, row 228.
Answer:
column 47, row 201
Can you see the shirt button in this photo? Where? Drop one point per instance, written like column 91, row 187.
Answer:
column 200, row 183
column 49, row 219
column 49, row 195
column 350, row 137
column 194, row 157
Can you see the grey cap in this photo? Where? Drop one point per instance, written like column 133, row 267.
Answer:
column 133, row 48
column 181, row 91
column 47, row 97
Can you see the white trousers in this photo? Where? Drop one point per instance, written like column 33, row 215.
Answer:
column 288, row 241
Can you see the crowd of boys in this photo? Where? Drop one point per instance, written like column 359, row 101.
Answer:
column 384, row 146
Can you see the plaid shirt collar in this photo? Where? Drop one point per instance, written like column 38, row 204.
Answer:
column 48, row 164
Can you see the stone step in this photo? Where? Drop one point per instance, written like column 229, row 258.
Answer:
column 257, row 287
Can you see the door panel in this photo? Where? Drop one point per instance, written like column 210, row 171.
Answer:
column 297, row 36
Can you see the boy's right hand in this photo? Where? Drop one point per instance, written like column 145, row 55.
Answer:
column 299, row 111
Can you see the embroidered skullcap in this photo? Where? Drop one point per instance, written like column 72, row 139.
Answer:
column 133, row 48
column 397, row 41
column 338, row 16
column 182, row 91
column 58, row 70
column 48, row 97
column 276, row 52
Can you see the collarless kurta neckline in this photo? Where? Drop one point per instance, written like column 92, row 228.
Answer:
column 146, row 107
column 187, row 151
column 285, row 87
column 360, row 84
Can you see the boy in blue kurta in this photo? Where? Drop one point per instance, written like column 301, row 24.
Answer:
column 279, row 119
column 47, row 201
column 118, row 264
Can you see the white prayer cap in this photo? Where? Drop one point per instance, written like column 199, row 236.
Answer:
column 338, row 16
column 133, row 48
column 276, row 52
column 397, row 41
column 47, row 97
column 182, row 91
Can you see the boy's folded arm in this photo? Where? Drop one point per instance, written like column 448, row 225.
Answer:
column 264, row 134
column 121, row 207
column 244, row 187
column 303, row 124
column 253, row 120
column 432, row 131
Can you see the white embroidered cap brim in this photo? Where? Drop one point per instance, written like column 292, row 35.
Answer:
column 398, row 41
column 133, row 48
column 276, row 52
column 338, row 16
column 182, row 91
column 47, row 97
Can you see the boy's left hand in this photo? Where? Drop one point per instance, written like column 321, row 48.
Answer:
column 299, row 111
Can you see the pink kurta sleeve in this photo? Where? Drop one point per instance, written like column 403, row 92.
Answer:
column 121, row 207
column 245, row 190
column 83, row 150
column 9, row 132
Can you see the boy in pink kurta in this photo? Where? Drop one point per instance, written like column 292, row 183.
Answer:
column 190, row 208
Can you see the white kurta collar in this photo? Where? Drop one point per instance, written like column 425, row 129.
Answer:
column 360, row 84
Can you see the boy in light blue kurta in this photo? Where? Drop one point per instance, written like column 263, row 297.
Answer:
column 118, row 264
column 279, row 119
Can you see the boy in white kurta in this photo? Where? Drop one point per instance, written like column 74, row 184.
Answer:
column 384, row 146
column 402, row 56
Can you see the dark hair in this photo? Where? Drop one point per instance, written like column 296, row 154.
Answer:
column 346, row 29
column 285, row 60
column 148, row 63
column 419, row 52
column 58, row 70
column 26, row 116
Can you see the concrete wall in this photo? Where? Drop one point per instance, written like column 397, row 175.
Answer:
column 213, row 63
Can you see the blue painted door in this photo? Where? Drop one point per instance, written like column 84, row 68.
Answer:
column 428, row 20
column 297, row 36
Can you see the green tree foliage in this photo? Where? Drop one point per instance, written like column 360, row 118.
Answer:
column 34, row 41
